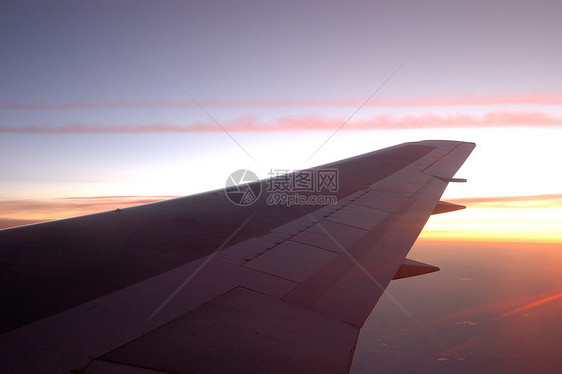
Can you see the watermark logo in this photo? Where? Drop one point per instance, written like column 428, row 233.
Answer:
column 290, row 199
column 240, row 188
column 309, row 180
column 302, row 187
column 285, row 187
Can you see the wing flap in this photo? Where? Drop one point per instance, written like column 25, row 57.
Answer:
column 291, row 260
column 376, row 259
column 257, row 334
column 341, row 235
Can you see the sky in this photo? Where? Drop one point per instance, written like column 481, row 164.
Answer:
column 112, row 104
column 143, row 99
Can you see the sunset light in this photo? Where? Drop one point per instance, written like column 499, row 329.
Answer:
column 512, row 218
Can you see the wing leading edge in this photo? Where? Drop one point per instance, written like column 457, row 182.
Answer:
column 291, row 297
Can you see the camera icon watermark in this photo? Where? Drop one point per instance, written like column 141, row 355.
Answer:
column 243, row 187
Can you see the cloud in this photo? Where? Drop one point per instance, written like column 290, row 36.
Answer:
column 533, row 218
column 312, row 123
column 26, row 211
column 441, row 101
column 7, row 223
column 530, row 201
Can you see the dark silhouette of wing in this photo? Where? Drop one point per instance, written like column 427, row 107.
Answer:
column 200, row 284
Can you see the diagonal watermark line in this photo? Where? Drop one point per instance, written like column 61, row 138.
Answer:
column 358, row 264
column 361, row 106
column 192, row 275
column 203, row 109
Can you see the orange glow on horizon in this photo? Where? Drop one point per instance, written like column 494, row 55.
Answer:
column 21, row 212
column 491, row 219
column 505, row 218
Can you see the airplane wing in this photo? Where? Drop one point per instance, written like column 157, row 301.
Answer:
column 201, row 284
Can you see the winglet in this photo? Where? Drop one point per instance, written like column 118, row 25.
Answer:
column 445, row 207
column 411, row 268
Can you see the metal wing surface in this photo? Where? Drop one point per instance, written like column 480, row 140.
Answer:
column 199, row 284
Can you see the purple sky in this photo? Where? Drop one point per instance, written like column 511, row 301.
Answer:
column 77, row 52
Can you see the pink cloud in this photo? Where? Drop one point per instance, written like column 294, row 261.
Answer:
column 254, row 124
column 437, row 101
